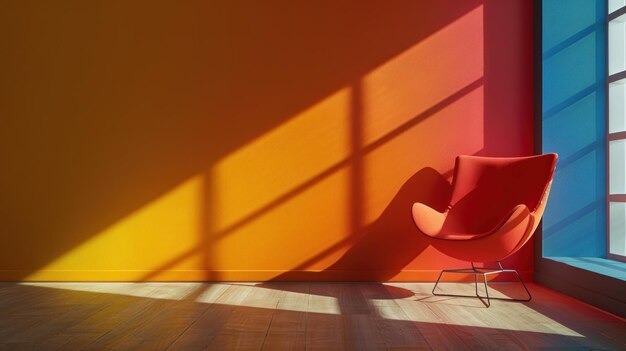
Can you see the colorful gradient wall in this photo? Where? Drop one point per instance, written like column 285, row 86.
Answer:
column 248, row 141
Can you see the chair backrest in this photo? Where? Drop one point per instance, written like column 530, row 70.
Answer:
column 485, row 189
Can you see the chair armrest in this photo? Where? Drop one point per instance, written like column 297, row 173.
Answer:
column 428, row 220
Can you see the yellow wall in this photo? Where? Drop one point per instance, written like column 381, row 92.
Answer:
column 199, row 140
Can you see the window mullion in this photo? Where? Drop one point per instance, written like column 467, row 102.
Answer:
column 616, row 76
column 617, row 136
column 613, row 15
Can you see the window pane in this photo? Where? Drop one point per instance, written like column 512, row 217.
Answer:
column 617, row 228
column 617, row 44
column 616, row 4
column 617, row 106
column 617, row 167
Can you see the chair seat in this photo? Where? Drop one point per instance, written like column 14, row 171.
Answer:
column 443, row 226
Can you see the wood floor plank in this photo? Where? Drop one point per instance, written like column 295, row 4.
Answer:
column 287, row 330
column 167, row 323
column 285, row 341
column 294, row 316
column 438, row 334
column 248, row 323
column 229, row 318
column 163, row 328
column 128, row 333
column 394, row 327
column 324, row 319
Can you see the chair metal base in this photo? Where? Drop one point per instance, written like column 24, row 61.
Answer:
column 484, row 272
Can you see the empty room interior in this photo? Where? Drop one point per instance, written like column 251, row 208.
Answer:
column 313, row 175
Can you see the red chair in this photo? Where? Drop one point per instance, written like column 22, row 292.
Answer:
column 496, row 205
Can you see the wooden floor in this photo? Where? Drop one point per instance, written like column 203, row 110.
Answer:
column 298, row 316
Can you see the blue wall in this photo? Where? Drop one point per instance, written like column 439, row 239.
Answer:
column 573, row 87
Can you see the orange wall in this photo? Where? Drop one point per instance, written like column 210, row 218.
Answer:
column 221, row 141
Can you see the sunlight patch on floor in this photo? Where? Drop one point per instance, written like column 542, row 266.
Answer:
column 421, row 307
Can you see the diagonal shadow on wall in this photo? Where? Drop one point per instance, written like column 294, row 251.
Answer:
column 143, row 96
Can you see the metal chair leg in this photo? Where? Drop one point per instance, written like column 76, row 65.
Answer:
column 476, row 284
column 486, row 290
column 437, row 282
column 481, row 271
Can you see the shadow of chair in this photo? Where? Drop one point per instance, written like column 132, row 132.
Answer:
column 383, row 248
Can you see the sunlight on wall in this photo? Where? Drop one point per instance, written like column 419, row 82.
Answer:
column 269, row 167
column 283, row 195
column 388, row 166
column 320, row 139
column 423, row 76
column 413, row 98
column 300, row 195
column 290, row 194
column 139, row 243
column 300, row 227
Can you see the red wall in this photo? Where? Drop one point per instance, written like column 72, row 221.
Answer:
column 229, row 141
